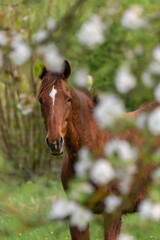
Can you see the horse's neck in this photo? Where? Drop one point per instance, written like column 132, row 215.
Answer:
column 83, row 129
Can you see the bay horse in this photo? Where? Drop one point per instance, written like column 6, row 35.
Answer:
column 69, row 121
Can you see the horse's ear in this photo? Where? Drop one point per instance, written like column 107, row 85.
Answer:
column 66, row 70
column 43, row 72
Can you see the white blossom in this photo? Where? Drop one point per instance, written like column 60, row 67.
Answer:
column 125, row 184
column 147, row 79
column 125, row 176
column 156, row 53
column 27, row 111
column 82, row 188
column 41, row 35
column 16, row 40
column 156, row 173
column 1, row 59
column 91, row 32
column 81, row 77
column 3, row 38
column 84, row 162
column 139, row 50
column 21, row 52
column 132, row 18
column 157, row 92
column 52, row 57
column 80, row 218
column 112, row 202
column 124, row 236
column 154, row 121
column 154, row 67
column 122, row 148
column 25, row 18
column 62, row 209
column 102, row 172
column 141, row 120
column 149, row 210
column 108, row 109
column 113, row 9
column 144, row 208
column 155, row 212
column 125, row 80
column 51, row 24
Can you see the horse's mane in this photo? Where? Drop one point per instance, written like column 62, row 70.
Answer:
column 89, row 94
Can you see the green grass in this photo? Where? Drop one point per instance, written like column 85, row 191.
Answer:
column 35, row 199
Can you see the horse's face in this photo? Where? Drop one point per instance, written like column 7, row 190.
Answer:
column 56, row 109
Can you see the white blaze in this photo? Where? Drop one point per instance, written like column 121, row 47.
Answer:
column 53, row 94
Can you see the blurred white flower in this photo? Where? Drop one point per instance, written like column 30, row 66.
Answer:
column 147, row 79
column 91, row 32
column 125, row 80
column 21, row 52
column 51, row 24
column 113, row 9
column 125, row 184
column 81, row 77
column 27, row 111
column 3, row 38
column 141, row 120
column 125, row 176
column 41, row 35
column 139, row 50
column 154, row 68
column 62, row 209
column 102, row 172
column 16, row 40
column 84, row 162
column 121, row 148
column 80, row 218
column 149, row 210
column 145, row 208
column 155, row 212
column 156, row 53
column 25, row 18
column 1, row 59
column 108, row 109
column 52, row 57
column 82, row 188
column 129, row 54
column 131, row 169
column 112, row 202
column 154, row 121
column 124, row 236
column 132, row 18
column 156, row 173
column 157, row 92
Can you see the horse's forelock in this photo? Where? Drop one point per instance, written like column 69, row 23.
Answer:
column 48, row 82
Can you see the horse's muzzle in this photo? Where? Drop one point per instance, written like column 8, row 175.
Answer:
column 57, row 147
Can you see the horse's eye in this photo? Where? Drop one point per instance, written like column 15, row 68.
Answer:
column 69, row 100
column 40, row 100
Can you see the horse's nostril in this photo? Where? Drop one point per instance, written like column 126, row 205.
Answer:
column 47, row 142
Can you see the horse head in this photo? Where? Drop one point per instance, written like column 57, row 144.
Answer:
column 55, row 100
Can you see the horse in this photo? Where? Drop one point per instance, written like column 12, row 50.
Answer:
column 70, row 124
